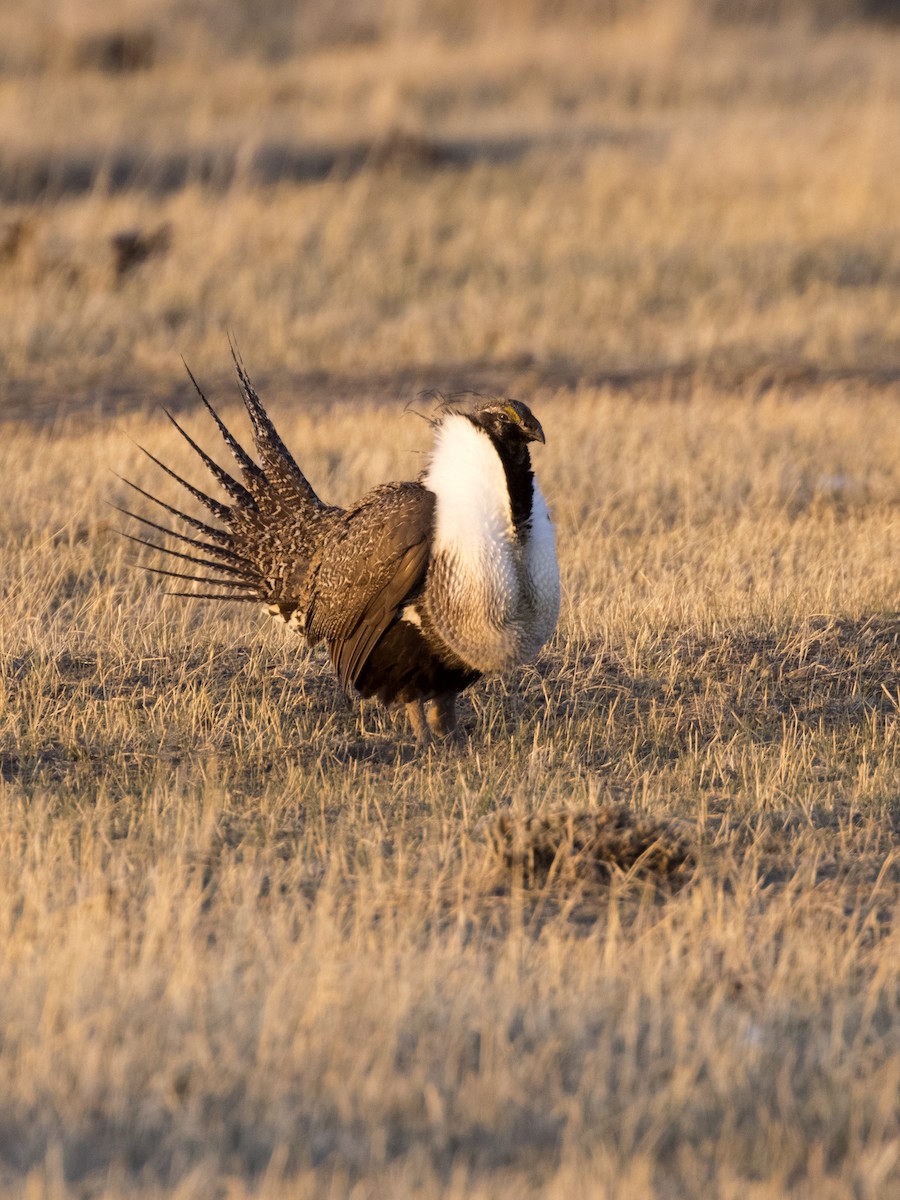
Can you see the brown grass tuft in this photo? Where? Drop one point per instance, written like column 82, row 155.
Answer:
column 593, row 846
column 132, row 247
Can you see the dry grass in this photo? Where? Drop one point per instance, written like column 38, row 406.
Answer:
column 655, row 193
column 250, row 943
column 253, row 948
column 593, row 845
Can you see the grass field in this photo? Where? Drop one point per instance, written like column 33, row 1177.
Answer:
column 251, row 942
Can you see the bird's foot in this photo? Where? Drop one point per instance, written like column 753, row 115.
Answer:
column 434, row 721
column 441, row 717
column 415, row 710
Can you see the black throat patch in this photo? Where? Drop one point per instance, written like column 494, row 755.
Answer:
column 519, row 480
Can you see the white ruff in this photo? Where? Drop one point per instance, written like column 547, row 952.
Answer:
column 474, row 521
column 499, row 595
column 542, row 573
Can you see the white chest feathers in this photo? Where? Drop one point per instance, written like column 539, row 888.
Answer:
column 493, row 593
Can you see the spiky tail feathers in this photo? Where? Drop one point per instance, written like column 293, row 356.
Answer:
column 261, row 548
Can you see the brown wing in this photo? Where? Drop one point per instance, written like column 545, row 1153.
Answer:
column 371, row 563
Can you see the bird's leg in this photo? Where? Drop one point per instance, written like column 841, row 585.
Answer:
column 441, row 716
column 416, row 714
column 364, row 707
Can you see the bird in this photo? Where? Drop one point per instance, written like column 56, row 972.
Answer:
column 417, row 589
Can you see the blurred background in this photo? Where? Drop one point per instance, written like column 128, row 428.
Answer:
column 377, row 195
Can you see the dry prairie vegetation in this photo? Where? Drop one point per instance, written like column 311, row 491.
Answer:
column 655, row 193
column 253, row 945
column 639, row 937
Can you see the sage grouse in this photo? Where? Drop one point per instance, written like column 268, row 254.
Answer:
column 418, row 588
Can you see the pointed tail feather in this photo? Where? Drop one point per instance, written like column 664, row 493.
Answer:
column 271, row 449
column 235, row 490
column 191, row 558
column 220, row 535
column 216, row 507
column 213, row 596
column 197, row 543
column 243, row 459
column 230, row 583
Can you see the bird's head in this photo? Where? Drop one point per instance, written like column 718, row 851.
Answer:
column 509, row 423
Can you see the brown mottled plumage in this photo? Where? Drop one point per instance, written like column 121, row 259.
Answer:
column 418, row 588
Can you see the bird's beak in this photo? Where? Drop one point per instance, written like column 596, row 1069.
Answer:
column 535, row 433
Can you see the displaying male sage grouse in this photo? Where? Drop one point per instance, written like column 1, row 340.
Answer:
column 418, row 588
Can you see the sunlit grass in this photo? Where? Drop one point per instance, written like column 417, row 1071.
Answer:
column 637, row 937
column 677, row 195
column 250, row 935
